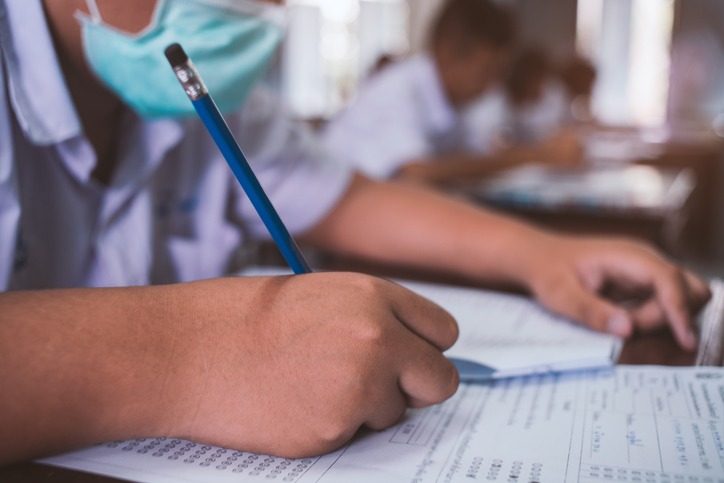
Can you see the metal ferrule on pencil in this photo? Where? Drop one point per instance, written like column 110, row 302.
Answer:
column 190, row 80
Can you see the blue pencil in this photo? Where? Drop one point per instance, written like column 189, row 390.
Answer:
column 219, row 130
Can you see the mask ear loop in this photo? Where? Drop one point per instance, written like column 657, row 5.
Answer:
column 95, row 13
column 94, row 16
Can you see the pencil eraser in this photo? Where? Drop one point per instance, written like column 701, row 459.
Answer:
column 176, row 55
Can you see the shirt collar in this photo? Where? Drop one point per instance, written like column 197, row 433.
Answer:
column 439, row 113
column 142, row 148
column 37, row 89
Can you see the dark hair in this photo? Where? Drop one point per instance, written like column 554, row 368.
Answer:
column 530, row 66
column 579, row 76
column 467, row 21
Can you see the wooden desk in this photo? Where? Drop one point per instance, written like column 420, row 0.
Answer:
column 645, row 202
column 705, row 162
column 702, row 152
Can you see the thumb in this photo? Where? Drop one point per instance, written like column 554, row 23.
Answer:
column 571, row 299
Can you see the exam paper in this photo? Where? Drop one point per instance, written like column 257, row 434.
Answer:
column 625, row 424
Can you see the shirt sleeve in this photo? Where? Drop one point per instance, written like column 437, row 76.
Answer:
column 9, row 197
column 303, row 181
column 546, row 116
column 382, row 130
column 484, row 122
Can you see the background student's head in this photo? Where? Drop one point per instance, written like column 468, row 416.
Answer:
column 470, row 42
column 578, row 76
column 528, row 75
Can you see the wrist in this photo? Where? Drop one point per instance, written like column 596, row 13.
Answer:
column 204, row 334
column 178, row 358
column 154, row 368
column 535, row 258
column 518, row 257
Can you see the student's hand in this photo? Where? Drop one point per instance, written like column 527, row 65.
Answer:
column 582, row 277
column 291, row 366
column 315, row 358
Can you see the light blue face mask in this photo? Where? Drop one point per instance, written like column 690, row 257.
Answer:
column 230, row 41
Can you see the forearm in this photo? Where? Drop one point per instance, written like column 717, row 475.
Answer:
column 456, row 167
column 562, row 149
column 394, row 222
column 83, row 366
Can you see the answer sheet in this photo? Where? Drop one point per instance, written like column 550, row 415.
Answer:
column 626, row 424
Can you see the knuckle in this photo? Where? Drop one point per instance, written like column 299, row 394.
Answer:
column 366, row 284
column 333, row 433
column 370, row 333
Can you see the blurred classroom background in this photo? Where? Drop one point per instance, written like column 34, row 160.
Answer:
column 653, row 157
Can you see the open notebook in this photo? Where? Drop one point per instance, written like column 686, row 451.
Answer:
column 504, row 335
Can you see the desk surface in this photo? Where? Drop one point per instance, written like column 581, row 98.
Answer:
column 594, row 190
column 645, row 202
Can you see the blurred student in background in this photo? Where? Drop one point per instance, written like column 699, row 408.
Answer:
column 578, row 76
column 529, row 110
column 407, row 122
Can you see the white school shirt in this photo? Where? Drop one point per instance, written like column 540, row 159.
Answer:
column 173, row 210
column 492, row 117
column 534, row 122
column 400, row 114
column 484, row 122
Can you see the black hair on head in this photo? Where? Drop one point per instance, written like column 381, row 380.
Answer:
column 532, row 65
column 474, row 21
